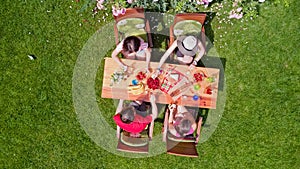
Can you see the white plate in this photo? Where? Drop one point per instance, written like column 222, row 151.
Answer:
column 140, row 26
column 122, row 22
column 178, row 32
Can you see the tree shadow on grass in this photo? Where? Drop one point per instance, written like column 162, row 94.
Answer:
column 200, row 112
column 208, row 29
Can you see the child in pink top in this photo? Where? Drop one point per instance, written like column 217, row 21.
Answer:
column 181, row 122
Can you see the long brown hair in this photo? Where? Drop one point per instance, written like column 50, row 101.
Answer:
column 185, row 124
column 131, row 44
column 183, row 127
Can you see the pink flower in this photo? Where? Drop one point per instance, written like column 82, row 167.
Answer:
column 235, row 15
column 235, row 4
column 205, row 2
column 119, row 11
column 129, row 1
column 115, row 12
column 100, row 1
column 239, row 9
column 123, row 10
column 232, row 16
column 199, row 2
column 239, row 16
column 100, row 6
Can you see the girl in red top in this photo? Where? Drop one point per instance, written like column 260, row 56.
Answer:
column 135, row 117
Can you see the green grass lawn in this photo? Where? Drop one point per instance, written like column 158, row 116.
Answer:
column 260, row 126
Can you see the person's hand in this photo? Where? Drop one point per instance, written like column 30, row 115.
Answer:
column 157, row 72
column 124, row 67
column 192, row 67
column 148, row 70
column 127, row 69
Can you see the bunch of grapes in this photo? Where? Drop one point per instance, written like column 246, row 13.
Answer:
column 199, row 76
column 153, row 83
column 140, row 76
column 208, row 91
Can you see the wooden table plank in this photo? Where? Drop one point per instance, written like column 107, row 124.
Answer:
column 120, row 91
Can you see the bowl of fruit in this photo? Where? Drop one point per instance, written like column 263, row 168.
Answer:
column 208, row 90
column 199, row 76
column 141, row 76
column 153, row 83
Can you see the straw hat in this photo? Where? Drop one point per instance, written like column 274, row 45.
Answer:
column 187, row 45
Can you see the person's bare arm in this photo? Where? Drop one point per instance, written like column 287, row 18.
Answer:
column 167, row 53
column 120, row 106
column 119, row 109
column 115, row 53
column 166, row 124
column 148, row 57
column 198, row 56
column 201, row 52
column 118, row 132
column 154, row 107
column 198, row 130
column 154, row 115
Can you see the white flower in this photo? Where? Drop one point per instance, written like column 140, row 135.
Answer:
column 31, row 57
column 261, row 1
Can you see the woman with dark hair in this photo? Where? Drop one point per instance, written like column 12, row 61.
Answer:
column 132, row 47
column 135, row 117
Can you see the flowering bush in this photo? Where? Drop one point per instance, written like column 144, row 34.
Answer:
column 231, row 9
column 224, row 12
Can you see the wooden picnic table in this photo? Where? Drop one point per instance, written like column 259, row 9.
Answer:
column 185, row 96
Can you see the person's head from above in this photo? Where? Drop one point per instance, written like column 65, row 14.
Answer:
column 131, row 45
column 188, row 45
column 184, row 126
column 187, row 49
column 127, row 114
